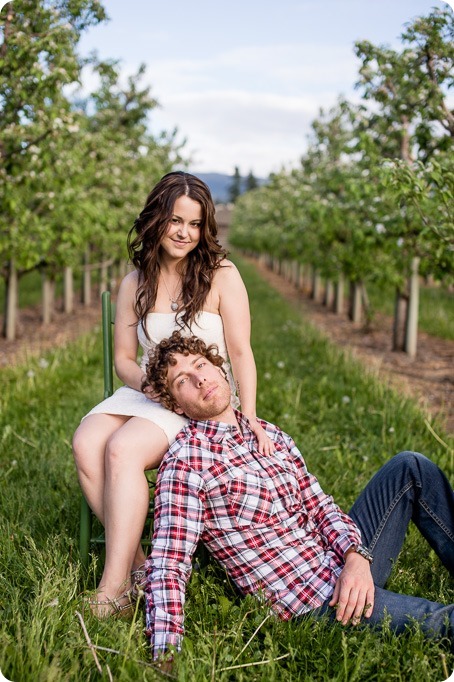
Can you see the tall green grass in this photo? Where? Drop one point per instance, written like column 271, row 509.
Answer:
column 346, row 424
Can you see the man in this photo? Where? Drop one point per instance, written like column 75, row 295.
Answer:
column 268, row 522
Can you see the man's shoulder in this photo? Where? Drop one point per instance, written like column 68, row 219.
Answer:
column 271, row 429
column 191, row 443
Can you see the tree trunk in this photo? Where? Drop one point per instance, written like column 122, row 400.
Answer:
column 411, row 326
column 86, row 283
column 300, row 276
column 11, row 301
column 308, row 278
column 316, row 286
column 295, row 273
column 400, row 314
column 355, row 312
column 329, row 294
column 68, row 290
column 339, row 296
column 48, row 293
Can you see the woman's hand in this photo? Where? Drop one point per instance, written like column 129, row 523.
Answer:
column 264, row 444
column 150, row 393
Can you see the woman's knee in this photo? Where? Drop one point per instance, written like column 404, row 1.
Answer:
column 118, row 453
column 81, row 446
column 88, row 448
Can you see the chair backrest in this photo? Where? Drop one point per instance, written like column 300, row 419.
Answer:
column 108, row 320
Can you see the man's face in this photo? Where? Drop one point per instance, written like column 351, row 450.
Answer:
column 199, row 388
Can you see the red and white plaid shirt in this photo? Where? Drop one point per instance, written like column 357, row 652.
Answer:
column 265, row 519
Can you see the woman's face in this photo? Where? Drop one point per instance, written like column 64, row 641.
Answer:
column 183, row 230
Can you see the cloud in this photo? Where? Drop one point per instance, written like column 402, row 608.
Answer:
column 249, row 106
column 224, row 128
column 253, row 102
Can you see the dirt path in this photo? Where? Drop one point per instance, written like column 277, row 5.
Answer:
column 429, row 378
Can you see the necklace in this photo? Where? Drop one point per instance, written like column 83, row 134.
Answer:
column 173, row 301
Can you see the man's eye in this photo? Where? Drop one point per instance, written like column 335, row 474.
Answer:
column 181, row 381
column 201, row 364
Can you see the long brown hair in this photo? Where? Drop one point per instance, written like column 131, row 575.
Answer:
column 145, row 237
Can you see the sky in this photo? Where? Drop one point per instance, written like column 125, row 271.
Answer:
column 242, row 80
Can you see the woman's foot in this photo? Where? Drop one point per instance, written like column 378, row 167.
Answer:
column 138, row 581
column 121, row 606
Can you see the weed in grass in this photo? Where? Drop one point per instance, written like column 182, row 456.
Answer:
column 303, row 383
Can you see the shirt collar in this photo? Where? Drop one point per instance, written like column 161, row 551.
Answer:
column 216, row 431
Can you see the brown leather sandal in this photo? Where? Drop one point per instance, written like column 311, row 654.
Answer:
column 118, row 607
column 138, row 581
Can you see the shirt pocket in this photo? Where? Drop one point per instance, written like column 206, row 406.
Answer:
column 288, row 493
column 249, row 500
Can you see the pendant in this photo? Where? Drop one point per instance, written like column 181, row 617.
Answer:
column 174, row 306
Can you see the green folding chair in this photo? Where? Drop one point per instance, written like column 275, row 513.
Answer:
column 88, row 539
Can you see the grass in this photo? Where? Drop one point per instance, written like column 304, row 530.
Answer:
column 346, row 424
column 436, row 308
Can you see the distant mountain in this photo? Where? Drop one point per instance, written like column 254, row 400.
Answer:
column 219, row 185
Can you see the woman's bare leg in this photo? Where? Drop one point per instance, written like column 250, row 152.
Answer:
column 137, row 446
column 89, row 448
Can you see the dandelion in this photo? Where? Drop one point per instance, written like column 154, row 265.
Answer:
column 30, row 373
column 346, row 399
column 267, row 375
column 43, row 363
column 280, row 364
column 391, row 429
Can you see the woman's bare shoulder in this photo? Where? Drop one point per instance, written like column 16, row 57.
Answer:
column 128, row 288
column 130, row 281
column 226, row 270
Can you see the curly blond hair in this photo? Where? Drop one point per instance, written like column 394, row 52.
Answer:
column 162, row 357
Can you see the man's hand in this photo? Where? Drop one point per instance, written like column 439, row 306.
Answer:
column 353, row 595
column 264, row 444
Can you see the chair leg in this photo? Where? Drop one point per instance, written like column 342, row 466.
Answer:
column 85, row 531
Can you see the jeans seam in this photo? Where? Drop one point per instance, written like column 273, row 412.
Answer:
column 390, row 509
column 437, row 520
column 387, row 514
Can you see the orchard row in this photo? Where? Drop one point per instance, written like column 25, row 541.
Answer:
column 373, row 197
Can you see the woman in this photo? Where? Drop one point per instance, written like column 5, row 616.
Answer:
column 182, row 281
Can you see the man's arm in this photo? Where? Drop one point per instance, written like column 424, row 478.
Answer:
column 339, row 530
column 353, row 594
column 179, row 510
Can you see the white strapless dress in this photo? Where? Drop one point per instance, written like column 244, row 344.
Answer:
column 128, row 402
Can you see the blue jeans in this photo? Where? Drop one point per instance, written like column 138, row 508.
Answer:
column 409, row 487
